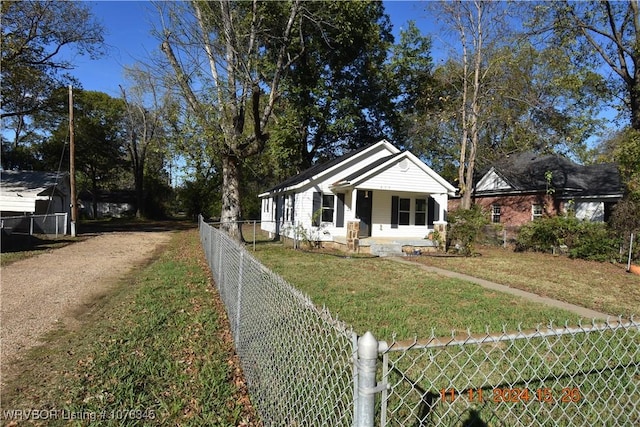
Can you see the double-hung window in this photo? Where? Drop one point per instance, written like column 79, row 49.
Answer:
column 421, row 212
column 404, row 211
column 495, row 214
column 327, row 207
column 536, row 211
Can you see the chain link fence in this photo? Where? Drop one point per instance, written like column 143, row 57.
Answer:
column 52, row 224
column 296, row 358
column 304, row 368
column 583, row 376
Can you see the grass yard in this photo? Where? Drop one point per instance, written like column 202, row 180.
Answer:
column 389, row 298
column 155, row 352
column 384, row 297
column 599, row 286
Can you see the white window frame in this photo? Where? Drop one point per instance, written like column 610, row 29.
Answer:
column 537, row 211
column 496, row 213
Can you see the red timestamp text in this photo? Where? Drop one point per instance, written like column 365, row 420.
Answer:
column 513, row 395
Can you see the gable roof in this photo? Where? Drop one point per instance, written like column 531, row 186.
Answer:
column 383, row 163
column 527, row 172
column 314, row 172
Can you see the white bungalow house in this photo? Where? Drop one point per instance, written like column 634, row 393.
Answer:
column 377, row 197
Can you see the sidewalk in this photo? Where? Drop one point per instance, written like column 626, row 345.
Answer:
column 580, row 311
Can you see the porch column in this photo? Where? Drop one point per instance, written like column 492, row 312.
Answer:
column 441, row 224
column 354, row 200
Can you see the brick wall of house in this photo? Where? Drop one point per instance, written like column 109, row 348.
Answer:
column 515, row 210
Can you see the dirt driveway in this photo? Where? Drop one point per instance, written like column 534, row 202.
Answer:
column 50, row 290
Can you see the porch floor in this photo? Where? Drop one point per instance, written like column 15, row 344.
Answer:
column 402, row 241
column 389, row 246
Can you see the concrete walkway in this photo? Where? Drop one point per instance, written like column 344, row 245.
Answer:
column 585, row 313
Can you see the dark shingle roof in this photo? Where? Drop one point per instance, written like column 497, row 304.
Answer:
column 527, row 172
column 314, row 170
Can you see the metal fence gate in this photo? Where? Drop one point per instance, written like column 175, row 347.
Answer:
column 304, row 368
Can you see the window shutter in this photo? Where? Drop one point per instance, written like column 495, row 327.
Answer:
column 340, row 216
column 431, row 211
column 293, row 207
column 317, row 205
column 394, row 211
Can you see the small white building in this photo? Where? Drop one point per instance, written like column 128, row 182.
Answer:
column 391, row 195
column 28, row 192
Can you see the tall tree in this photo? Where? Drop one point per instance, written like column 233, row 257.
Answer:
column 603, row 35
column 36, row 39
column 337, row 96
column 479, row 26
column 247, row 47
column 146, row 112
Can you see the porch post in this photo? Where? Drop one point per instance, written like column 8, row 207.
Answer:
column 441, row 224
column 354, row 200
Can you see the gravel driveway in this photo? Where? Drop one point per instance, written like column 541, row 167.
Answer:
column 50, row 290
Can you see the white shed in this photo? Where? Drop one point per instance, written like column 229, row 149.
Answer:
column 28, row 192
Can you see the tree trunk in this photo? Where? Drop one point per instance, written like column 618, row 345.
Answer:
column 231, row 213
column 634, row 104
column 139, row 180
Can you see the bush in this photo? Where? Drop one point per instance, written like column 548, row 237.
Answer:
column 594, row 241
column 546, row 233
column 465, row 226
column 586, row 240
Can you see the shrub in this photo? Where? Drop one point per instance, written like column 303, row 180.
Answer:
column 583, row 239
column 465, row 226
column 594, row 241
column 546, row 233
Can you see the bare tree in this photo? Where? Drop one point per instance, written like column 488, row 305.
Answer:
column 479, row 25
column 145, row 106
column 228, row 59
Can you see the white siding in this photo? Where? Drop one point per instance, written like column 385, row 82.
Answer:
column 409, row 178
column 590, row 211
column 381, row 221
column 492, row 181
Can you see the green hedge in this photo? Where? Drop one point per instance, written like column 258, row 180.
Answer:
column 583, row 239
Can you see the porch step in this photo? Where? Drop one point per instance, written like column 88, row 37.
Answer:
column 386, row 249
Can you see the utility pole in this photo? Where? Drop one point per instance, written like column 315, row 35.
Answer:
column 72, row 166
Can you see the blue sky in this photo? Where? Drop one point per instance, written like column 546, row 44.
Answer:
column 127, row 25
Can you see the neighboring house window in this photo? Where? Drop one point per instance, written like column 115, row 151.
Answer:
column 404, row 211
column 536, row 211
column 292, row 199
column 495, row 213
column 421, row 212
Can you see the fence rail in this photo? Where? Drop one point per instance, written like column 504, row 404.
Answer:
column 303, row 367
column 53, row 224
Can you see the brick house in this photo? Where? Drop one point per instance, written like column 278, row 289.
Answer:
column 525, row 186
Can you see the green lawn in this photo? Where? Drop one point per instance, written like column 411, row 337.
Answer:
column 389, row 298
column 599, row 286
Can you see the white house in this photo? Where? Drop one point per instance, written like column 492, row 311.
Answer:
column 390, row 195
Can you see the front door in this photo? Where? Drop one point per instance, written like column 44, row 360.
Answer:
column 363, row 212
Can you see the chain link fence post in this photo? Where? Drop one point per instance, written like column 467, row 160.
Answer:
column 367, row 362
